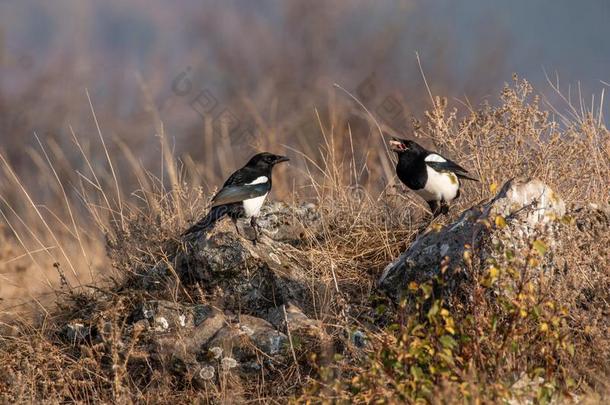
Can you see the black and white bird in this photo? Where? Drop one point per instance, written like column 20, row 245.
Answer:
column 433, row 177
column 242, row 195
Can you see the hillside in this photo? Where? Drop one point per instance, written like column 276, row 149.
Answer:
column 353, row 293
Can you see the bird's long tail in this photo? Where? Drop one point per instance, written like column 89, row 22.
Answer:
column 467, row 176
column 207, row 222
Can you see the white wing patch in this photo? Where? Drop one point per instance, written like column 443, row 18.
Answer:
column 259, row 180
column 434, row 157
column 253, row 206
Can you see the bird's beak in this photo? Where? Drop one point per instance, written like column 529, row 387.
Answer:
column 397, row 146
column 280, row 159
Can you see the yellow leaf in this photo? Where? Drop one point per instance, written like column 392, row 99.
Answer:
column 493, row 187
column 500, row 221
column 467, row 256
column 450, row 325
column 494, row 272
column 437, row 227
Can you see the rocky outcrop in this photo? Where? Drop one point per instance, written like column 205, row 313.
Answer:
column 224, row 311
column 521, row 209
column 254, row 311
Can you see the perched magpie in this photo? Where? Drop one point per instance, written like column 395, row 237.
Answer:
column 432, row 176
column 243, row 194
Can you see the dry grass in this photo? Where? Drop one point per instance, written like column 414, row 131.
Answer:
column 366, row 223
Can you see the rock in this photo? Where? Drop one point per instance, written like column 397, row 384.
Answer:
column 168, row 316
column 308, row 335
column 237, row 339
column 263, row 334
column 521, row 208
column 240, row 330
column 217, row 340
column 252, row 277
column 359, row 339
column 76, row 332
column 241, row 275
column 162, row 316
column 207, row 321
column 180, row 345
column 290, row 224
column 223, row 255
column 297, row 320
column 538, row 200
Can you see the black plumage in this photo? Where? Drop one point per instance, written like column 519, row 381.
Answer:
column 432, row 176
column 242, row 194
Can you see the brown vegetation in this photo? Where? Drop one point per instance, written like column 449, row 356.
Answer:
column 549, row 339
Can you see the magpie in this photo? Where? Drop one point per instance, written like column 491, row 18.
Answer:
column 242, row 195
column 433, row 177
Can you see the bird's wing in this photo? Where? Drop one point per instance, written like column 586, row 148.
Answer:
column 245, row 175
column 442, row 164
column 233, row 194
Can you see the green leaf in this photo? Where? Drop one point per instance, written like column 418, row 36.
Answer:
column 427, row 290
column 433, row 310
column 448, row 341
column 447, row 357
column 417, row 373
column 540, row 247
column 393, row 327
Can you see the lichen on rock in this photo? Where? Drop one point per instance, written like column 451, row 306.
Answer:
column 519, row 211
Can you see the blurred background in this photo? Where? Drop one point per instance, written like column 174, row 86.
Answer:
column 264, row 66
column 211, row 82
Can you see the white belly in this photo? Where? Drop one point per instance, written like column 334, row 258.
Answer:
column 253, row 206
column 440, row 186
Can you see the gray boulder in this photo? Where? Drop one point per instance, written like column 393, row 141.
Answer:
column 520, row 210
column 241, row 328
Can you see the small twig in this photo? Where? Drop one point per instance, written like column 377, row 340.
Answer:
column 294, row 356
column 421, row 70
column 385, row 144
column 332, row 269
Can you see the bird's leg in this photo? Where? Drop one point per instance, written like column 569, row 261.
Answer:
column 235, row 224
column 254, row 226
column 434, row 208
column 444, row 207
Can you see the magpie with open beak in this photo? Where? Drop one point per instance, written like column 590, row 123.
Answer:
column 433, row 177
column 242, row 195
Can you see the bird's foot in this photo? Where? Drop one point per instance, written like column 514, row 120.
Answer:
column 254, row 226
column 435, row 208
column 444, row 209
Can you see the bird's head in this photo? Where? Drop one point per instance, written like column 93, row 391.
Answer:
column 266, row 160
column 404, row 145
